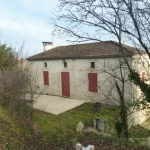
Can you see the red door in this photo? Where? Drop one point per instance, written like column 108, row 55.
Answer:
column 65, row 84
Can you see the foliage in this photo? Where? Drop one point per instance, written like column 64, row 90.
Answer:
column 59, row 132
column 12, row 90
column 5, row 115
column 119, row 127
column 139, row 131
column 70, row 119
column 7, row 58
column 145, row 88
column 13, row 80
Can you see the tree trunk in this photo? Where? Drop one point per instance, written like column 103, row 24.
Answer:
column 123, row 111
column 124, row 119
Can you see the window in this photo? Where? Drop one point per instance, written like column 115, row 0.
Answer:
column 45, row 64
column 92, row 82
column 46, row 77
column 92, row 64
column 65, row 64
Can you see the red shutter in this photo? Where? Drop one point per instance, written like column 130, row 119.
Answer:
column 92, row 82
column 46, row 77
column 143, row 76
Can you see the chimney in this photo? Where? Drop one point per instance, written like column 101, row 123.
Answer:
column 47, row 45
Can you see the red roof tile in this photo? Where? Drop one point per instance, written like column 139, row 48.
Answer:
column 89, row 50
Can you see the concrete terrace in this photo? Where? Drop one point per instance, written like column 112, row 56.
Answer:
column 55, row 104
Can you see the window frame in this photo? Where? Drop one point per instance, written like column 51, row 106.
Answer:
column 45, row 64
column 65, row 64
column 92, row 64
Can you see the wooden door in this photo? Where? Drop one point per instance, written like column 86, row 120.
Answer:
column 65, row 81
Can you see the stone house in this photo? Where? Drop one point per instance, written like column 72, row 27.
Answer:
column 87, row 71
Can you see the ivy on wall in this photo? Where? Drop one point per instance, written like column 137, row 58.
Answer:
column 145, row 88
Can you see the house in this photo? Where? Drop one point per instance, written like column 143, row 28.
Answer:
column 87, row 71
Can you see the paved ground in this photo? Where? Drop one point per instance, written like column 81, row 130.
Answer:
column 55, row 104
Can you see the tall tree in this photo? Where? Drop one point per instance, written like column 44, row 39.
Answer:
column 7, row 58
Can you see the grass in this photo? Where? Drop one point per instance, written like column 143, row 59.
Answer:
column 49, row 131
column 5, row 116
column 64, row 125
column 69, row 120
column 139, row 132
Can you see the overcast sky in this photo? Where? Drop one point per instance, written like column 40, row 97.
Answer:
column 28, row 21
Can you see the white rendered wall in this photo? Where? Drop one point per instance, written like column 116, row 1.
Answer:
column 78, row 70
column 137, row 116
column 140, row 64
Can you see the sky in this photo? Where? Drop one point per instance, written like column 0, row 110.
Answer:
column 28, row 21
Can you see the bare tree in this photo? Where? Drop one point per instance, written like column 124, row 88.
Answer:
column 91, row 20
column 114, row 88
column 94, row 20
column 126, row 21
column 123, row 20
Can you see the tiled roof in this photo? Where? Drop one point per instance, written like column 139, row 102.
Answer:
column 104, row 49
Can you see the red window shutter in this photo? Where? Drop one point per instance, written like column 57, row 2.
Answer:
column 46, row 77
column 93, row 82
column 143, row 76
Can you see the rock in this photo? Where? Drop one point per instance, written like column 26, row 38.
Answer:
column 96, row 120
column 90, row 147
column 90, row 129
column 79, row 146
column 99, row 124
column 80, row 126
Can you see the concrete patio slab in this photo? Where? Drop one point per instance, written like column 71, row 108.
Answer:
column 55, row 104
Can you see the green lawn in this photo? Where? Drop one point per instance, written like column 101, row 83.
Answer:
column 68, row 121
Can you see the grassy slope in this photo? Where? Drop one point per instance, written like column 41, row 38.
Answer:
column 53, row 132
column 9, row 133
column 68, row 121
